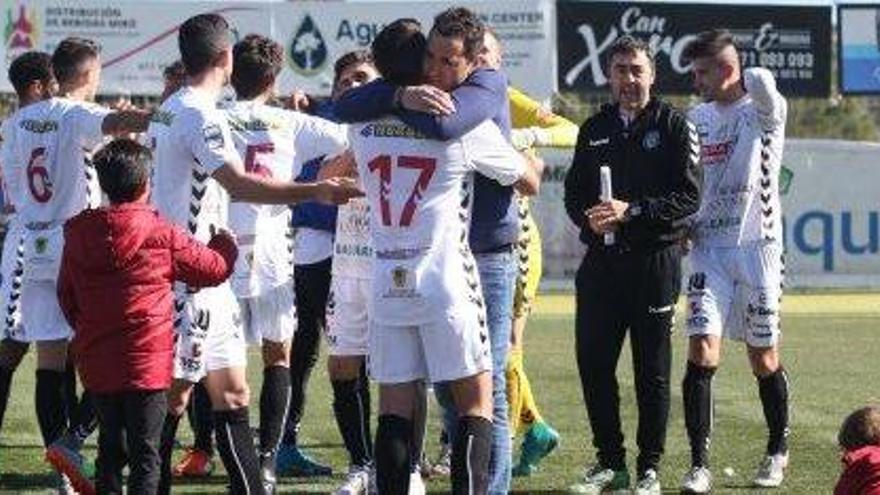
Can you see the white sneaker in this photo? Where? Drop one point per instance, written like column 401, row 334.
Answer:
column 416, row 483
column 771, row 471
column 648, row 484
column 599, row 479
column 357, row 481
column 697, row 480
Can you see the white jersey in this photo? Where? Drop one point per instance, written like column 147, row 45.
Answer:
column 47, row 165
column 741, row 155
column 268, row 139
column 419, row 192
column 352, row 246
column 191, row 140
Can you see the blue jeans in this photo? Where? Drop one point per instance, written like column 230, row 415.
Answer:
column 497, row 278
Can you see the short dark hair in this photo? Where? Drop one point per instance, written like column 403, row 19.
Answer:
column 257, row 60
column 708, row 44
column 30, row 67
column 123, row 168
column 175, row 71
column 70, row 55
column 399, row 52
column 201, row 40
column 462, row 23
column 630, row 45
column 860, row 428
column 356, row 57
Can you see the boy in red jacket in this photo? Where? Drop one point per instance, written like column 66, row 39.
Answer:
column 115, row 289
column 859, row 438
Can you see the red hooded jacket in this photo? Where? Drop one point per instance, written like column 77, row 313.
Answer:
column 115, row 289
column 861, row 472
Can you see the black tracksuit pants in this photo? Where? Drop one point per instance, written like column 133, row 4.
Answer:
column 616, row 292
column 130, row 426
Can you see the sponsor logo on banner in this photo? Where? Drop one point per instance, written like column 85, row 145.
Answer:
column 21, row 31
column 307, row 51
column 791, row 41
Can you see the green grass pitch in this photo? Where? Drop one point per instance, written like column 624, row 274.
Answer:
column 830, row 348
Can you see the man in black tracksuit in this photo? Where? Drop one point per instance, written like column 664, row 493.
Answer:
column 631, row 281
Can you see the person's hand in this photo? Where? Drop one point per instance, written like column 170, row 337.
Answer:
column 427, row 99
column 298, row 101
column 606, row 216
column 337, row 190
column 221, row 233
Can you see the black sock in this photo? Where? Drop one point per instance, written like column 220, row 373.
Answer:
column 166, row 447
column 274, row 401
column 202, row 419
column 471, row 449
column 420, row 425
column 774, row 397
column 698, row 409
column 352, row 410
column 50, row 404
column 393, row 439
column 5, row 385
column 83, row 422
column 236, row 446
column 71, row 399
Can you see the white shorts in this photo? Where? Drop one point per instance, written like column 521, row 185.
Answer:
column 11, row 272
column 41, row 316
column 270, row 316
column 209, row 334
column 347, row 319
column 440, row 351
column 736, row 293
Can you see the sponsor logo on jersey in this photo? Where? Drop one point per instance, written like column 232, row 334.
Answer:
column 213, row 136
column 391, row 130
column 598, row 142
column 40, row 245
column 307, row 50
column 39, row 126
column 715, row 153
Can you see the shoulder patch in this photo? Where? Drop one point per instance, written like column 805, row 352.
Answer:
column 213, row 136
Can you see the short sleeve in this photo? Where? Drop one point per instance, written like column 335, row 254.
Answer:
column 208, row 137
column 88, row 121
column 314, row 136
column 490, row 154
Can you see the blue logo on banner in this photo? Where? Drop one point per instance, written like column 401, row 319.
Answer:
column 307, row 50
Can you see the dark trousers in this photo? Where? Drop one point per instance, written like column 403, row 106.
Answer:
column 311, row 287
column 130, row 427
column 617, row 292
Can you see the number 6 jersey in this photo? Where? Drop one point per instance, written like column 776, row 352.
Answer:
column 419, row 193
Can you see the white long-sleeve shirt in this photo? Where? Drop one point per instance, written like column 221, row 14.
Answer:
column 741, row 154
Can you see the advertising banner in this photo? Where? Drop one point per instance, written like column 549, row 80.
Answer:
column 831, row 226
column 794, row 42
column 140, row 38
column 315, row 34
column 858, row 49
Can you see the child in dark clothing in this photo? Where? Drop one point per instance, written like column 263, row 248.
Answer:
column 115, row 287
column 859, row 438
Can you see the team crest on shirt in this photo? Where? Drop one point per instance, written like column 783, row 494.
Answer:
column 401, row 283
column 40, row 245
column 213, row 136
column 399, row 277
column 651, row 140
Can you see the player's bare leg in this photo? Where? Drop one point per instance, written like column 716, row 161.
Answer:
column 11, row 354
column 274, row 403
column 472, row 445
column 773, row 389
column 704, row 356
column 230, row 396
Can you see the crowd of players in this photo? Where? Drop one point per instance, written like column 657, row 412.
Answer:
column 425, row 281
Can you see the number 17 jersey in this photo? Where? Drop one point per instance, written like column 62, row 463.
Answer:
column 420, row 193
